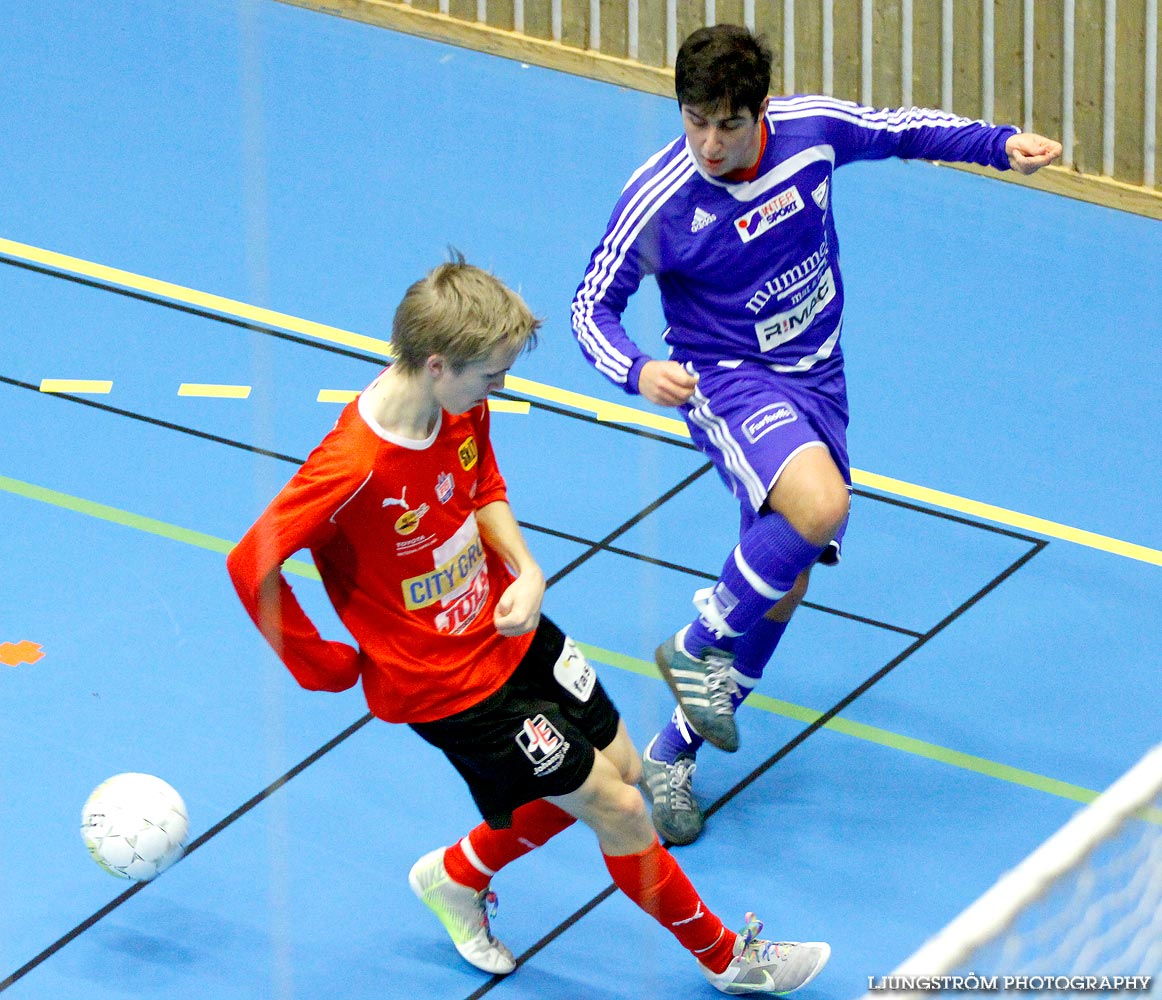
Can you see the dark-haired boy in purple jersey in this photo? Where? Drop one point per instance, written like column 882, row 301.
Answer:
column 733, row 220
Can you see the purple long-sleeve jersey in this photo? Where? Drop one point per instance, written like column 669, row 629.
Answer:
column 749, row 271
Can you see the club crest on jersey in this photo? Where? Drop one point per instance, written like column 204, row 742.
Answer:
column 820, row 194
column 769, row 214
column 543, row 744
column 467, row 453
column 445, row 486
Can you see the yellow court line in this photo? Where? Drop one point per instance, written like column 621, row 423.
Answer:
column 336, row 395
column 616, row 412
column 214, row 391
column 96, row 387
column 1015, row 519
column 612, row 412
column 191, row 296
column 508, row 406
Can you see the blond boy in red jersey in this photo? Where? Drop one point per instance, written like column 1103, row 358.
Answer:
column 406, row 515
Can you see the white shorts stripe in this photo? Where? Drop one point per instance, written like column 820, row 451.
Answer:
column 734, row 458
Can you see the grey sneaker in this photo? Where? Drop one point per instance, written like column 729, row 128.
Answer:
column 463, row 911
column 668, row 788
column 776, row 967
column 703, row 688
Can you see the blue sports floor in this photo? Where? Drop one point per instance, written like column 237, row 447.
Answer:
column 234, row 194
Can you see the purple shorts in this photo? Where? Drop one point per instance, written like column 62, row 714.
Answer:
column 750, row 422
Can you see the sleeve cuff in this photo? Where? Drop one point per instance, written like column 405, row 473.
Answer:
column 1001, row 158
column 635, row 374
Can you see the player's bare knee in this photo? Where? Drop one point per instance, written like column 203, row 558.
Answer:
column 626, row 806
column 631, row 774
column 819, row 520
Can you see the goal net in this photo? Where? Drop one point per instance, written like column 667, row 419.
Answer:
column 1081, row 914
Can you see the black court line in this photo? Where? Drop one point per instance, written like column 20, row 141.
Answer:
column 887, row 668
column 255, row 800
column 158, row 300
column 379, row 361
column 778, row 755
column 599, row 546
column 703, row 575
column 595, row 547
column 272, row 331
column 142, row 418
column 217, row 828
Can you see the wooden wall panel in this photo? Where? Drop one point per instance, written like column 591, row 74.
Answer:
column 808, row 46
column 728, row 12
column 1129, row 110
column 1048, row 70
column 886, row 35
column 463, row 10
column 1157, row 115
column 652, row 32
column 691, row 17
column 927, row 82
column 649, row 72
column 539, row 18
column 614, row 28
column 848, row 49
column 1088, row 67
column 498, row 14
column 966, row 75
column 575, row 23
column 1009, row 54
column 768, row 18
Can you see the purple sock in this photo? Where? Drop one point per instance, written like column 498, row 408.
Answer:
column 760, row 570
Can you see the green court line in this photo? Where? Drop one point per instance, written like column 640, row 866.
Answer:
column 848, row 727
column 138, row 522
column 883, row 737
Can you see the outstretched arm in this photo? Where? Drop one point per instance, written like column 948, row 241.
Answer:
column 1029, row 152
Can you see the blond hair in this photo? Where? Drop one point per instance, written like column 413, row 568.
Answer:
column 462, row 313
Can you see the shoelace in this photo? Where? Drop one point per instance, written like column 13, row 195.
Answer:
column 719, row 684
column 489, row 903
column 755, row 948
column 750, row 931
column 681, row 778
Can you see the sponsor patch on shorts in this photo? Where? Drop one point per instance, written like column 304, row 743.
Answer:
column 573, row 671
column 543, row 744
column 767, row 418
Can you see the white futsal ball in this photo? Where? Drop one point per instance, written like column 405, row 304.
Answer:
column 134, row 825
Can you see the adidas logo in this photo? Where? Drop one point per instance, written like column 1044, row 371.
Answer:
column 701, row 220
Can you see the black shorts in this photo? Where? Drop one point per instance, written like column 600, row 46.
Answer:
column 536, row 736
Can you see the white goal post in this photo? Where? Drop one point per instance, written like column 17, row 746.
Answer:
column 1083, row 909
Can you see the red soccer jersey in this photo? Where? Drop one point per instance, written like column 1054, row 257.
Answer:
column 391, row 524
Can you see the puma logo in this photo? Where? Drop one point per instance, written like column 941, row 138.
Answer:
column 689, row 920
column 401, row 502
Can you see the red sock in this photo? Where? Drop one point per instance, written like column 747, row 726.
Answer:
column 658, row 885
column 476, row 858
